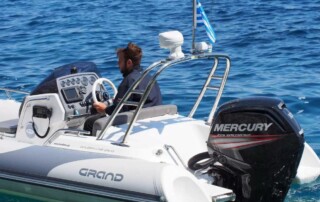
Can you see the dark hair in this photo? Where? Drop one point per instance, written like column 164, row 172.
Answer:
column 132, row 52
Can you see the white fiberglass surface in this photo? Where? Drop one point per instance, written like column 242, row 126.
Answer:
column 147, row 140
column 9, row 109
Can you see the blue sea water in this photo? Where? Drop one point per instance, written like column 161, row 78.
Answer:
column 274, row 47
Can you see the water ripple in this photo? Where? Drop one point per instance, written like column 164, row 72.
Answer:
column 274, row 47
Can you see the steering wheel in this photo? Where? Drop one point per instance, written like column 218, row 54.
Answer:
column 100, row 82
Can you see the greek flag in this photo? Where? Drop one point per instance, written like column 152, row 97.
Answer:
column 202, row 19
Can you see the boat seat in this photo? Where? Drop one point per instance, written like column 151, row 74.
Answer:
column 155, row 111
column 9, row 126
column 125, row 117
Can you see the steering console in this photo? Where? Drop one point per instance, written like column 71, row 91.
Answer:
column 78, row 91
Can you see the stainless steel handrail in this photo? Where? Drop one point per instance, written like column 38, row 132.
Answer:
column 196, row 105
column 168, row 147
column 145, row 96
column 222, row 84
column 219, row 89
column 8, row 90
column 125, row 98
column 162, row 65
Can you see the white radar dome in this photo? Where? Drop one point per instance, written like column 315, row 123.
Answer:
column 172, row 40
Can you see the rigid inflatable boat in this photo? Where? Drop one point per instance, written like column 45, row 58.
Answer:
column 249, row 149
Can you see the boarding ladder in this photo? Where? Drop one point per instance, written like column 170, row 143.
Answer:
column 159, row 67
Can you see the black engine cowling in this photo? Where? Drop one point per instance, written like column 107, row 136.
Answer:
column 259, row 144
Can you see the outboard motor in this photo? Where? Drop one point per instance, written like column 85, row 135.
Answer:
column 255, row 146
column 259, row 144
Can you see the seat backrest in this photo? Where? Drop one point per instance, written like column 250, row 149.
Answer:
column 145, row 113
column 155, row 111
column 122, row 118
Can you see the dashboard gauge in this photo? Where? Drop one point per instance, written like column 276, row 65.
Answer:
column 63, row 83
column 84, row 81
column 68, row 82
column 83, row 90
column 92, row 80
column 73, row 81
column 78, row 80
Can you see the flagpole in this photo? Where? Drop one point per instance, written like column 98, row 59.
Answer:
column 194, row 24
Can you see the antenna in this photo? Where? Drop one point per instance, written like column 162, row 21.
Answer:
column 194, row 25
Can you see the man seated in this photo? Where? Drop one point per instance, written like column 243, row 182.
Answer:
column 129, row 60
